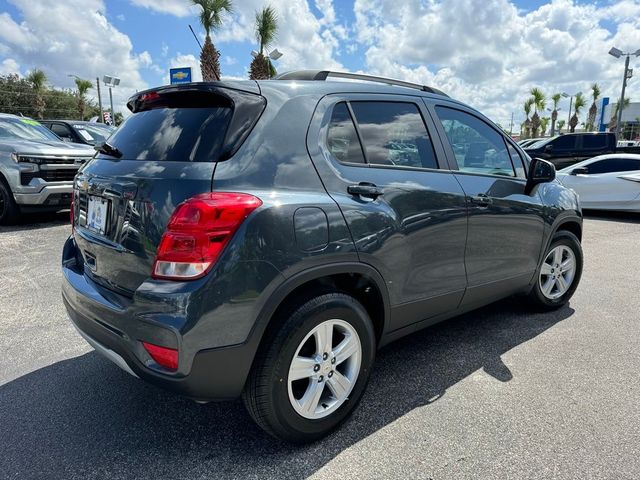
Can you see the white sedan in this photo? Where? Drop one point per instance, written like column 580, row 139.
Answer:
column 607, row 182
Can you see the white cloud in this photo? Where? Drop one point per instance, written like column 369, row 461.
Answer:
column 179, row 8
column 490, row 54
column 9, row 65
column 73, row 37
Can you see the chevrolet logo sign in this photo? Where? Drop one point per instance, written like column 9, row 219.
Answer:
column 180, row 75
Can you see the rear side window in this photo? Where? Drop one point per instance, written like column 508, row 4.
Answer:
column 173, row 134
column 478, row 148
column 563, row 142
column 342, row 138
column 393, row 133
column 594, row 142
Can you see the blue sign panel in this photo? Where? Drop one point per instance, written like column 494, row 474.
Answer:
column 602, row 123
column 180, row 75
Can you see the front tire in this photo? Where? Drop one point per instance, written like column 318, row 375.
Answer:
column 559, row 274
column 311, row 372
column 8, row 209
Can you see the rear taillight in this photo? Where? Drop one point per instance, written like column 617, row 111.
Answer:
column 166, row 357
column 198, row 231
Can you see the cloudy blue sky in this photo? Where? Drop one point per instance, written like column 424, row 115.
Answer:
column 488, row 53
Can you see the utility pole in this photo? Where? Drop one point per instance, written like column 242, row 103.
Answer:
column 570, row 105
column 100, row 119
column 113, row 114
column 621, row 104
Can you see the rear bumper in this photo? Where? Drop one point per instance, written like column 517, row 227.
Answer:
column 114, row 327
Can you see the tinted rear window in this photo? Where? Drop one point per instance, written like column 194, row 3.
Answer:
column 173, row 134
column 594, row 141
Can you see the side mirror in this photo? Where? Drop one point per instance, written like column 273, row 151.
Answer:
column 580, row 171
column 540, row 171
column 548, row 149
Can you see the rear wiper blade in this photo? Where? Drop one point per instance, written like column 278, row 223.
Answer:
column 107, row 149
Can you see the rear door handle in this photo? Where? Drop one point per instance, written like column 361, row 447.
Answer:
column 365, row 189
column 481, row 200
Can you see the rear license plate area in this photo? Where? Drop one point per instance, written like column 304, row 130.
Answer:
column 97, row 214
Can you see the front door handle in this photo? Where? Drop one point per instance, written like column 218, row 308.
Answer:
column 481, row 200
column 365, row 189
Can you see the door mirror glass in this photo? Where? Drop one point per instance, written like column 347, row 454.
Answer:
column 580, row 171
column 540, row 171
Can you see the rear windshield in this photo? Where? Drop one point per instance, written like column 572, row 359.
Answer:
column 173, row 134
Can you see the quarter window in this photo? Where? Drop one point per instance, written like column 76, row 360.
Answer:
column 394, row 133
column 516, row 159
column 478, row 148
column 342, row 138
column 594, row 142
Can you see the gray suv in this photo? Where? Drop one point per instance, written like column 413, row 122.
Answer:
column 36, row 167
column 264, row 239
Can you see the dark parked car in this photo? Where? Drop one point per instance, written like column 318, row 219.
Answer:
column 265, row 238
column 75, row 131
column 565, row 150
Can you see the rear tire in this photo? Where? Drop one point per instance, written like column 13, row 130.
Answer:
column 296, row 394
column 9, row 210
column 559, row 274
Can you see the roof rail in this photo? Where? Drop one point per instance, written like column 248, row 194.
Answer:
column 323, row 74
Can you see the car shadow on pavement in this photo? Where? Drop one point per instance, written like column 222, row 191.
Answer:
column 37, row 220
column 85, row 418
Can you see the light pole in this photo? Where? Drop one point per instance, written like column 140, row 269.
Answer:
column 274, row 55
column 565, row 95
column 615, row 52
column 110, row 82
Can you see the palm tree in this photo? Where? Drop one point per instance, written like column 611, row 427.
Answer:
column 527, row 123
column 266, row 28
column 614, row 114
column 211, row 20
column 577, row 106
column 560, row 125
column 538, row 104
column 83, row 87
column 593, row 109
column 544, row 123
column 38, row 79
column 555, row 98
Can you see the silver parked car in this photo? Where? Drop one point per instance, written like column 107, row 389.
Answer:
column 36, row 167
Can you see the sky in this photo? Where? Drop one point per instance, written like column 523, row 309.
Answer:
column 487, row 53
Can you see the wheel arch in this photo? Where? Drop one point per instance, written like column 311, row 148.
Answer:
column 361, row 281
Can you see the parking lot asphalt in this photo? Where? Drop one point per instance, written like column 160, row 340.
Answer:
column 497, row 393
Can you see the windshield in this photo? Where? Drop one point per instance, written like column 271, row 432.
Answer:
column 539, row 143
column 93, row 132
column 25, row 128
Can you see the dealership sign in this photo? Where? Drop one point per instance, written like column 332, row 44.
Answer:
column 180, row 75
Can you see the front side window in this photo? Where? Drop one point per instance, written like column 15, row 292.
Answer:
column 342, row 138
column 613, row 165
column 394, row 133
column 563, row 142
column 478, row 148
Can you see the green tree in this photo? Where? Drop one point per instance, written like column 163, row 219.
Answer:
column 578, row 103
column 38, row 80
column 555, row 98
column 539, row 103
column 211, row 20
column 83, row 87
column 266, row 28
column 614, row 114
column 593, row 109
column 527, row 122
column 544, row 123
column 560, row 126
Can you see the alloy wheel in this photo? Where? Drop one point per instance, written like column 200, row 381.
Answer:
column 324, row 369
column 557, row 272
